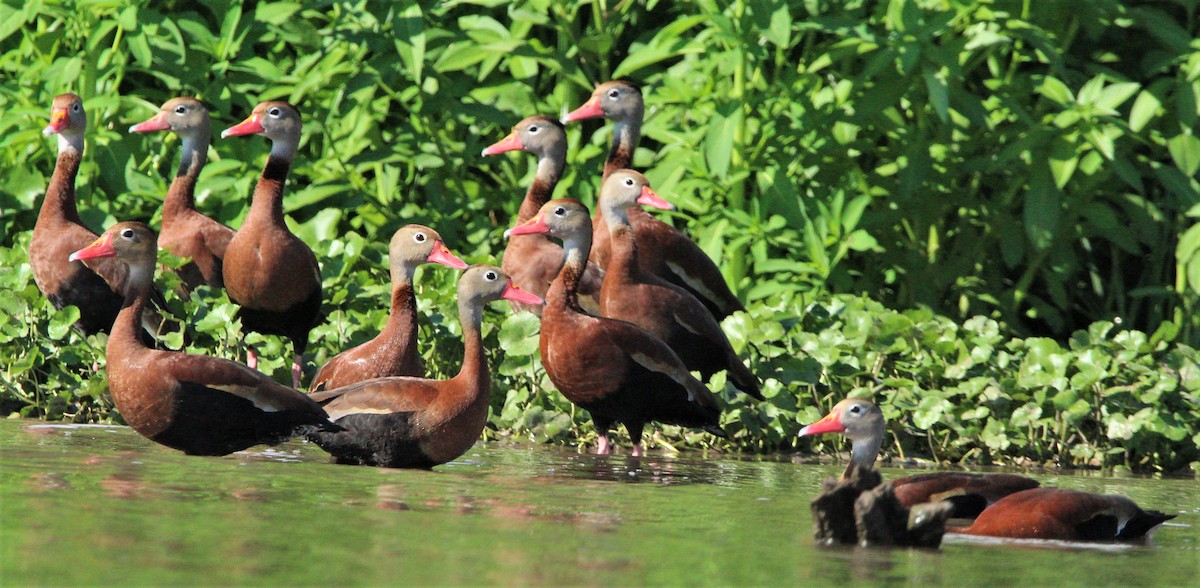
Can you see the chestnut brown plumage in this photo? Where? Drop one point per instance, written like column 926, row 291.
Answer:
column 1066, row 515
column 861, row 421
column 394, row 351
column 533, row 260
column 186, row 232
column 93, row 286
column 200, row 405
column 630, row 293
column 615, row 370
column 415, row 422
column 269, row 271
column 666, row 252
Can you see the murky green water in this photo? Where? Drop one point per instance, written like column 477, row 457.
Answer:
column 101, row 505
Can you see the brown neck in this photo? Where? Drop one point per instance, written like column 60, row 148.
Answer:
column 126, row 329
column 267, row 206
column 564, row 292
column 181, row 195
column 401, row 326
column 60, row 194
column 626, row 135
column 623, row 256
column 550, row 165
column 474, row 366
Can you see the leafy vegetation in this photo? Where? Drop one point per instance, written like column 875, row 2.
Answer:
column 1017, row 178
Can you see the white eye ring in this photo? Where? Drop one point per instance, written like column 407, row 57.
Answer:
column 614, row 94
column 274, row 112
column 419, row 237
column 560, row 211
column 181, row 109
column 490, row 276
column 127, row 233
column 856, row 409
column 534, row 129
column 76, row 106
column 628, row 181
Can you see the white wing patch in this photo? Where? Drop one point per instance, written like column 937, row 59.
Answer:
column 680, row 377
column 693, row 283
column 249, row 393
column 685, row 324
column 335, row 414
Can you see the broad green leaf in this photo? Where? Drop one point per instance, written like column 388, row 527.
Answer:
column 1055, row 90
column 1043, row 209
column 1185, row 150
column 1144, row 109
column 1064, row 159
column 935, row 84
column 1114, row 95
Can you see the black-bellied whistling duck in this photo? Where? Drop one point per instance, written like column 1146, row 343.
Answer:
column 533, row 260
column 95, row 285
column 666, row 252
column 394, row 351
column 1066, row 515
column 862, row 422
column 672, row 314
column 411, row 422
column 197, row 404
column 269, row 271
column 615, row 370
column 185, row 231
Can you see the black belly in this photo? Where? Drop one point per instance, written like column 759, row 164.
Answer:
column 384, row 440
column 211, row 422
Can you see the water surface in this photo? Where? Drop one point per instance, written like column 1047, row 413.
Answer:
column 102, row 505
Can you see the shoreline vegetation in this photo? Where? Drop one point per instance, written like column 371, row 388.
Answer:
column 980, row 214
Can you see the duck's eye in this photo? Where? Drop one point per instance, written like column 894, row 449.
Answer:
column 614, row 94
column 855, row 409
column 628, row 181
column 559, row 211
column 181, row 109
column 533, row 129
column 275, row 112
column 127, row 233
column 419, row 237
column 76, row 107
column 490, row 276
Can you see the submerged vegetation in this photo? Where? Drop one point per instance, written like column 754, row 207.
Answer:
column 982, row 213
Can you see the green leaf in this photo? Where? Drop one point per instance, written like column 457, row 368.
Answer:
column 61, row 322
column 1114, row 95
column 1055, row 90
column 1144, row 109
column 718, row 151
column 1185, row 150
column 939, row 95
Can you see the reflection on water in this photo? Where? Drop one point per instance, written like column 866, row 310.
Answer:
column 101, row 505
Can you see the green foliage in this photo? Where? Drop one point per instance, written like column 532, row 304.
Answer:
column 1021, row 169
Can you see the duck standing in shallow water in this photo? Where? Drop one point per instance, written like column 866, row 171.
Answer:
column 197, row 404
column 630, row 293
column 617, row 371
column 406, row 422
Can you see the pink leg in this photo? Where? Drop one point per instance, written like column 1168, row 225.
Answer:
column 603, row 447
column 637, row 450
column 251, row 358
column 296, row 371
